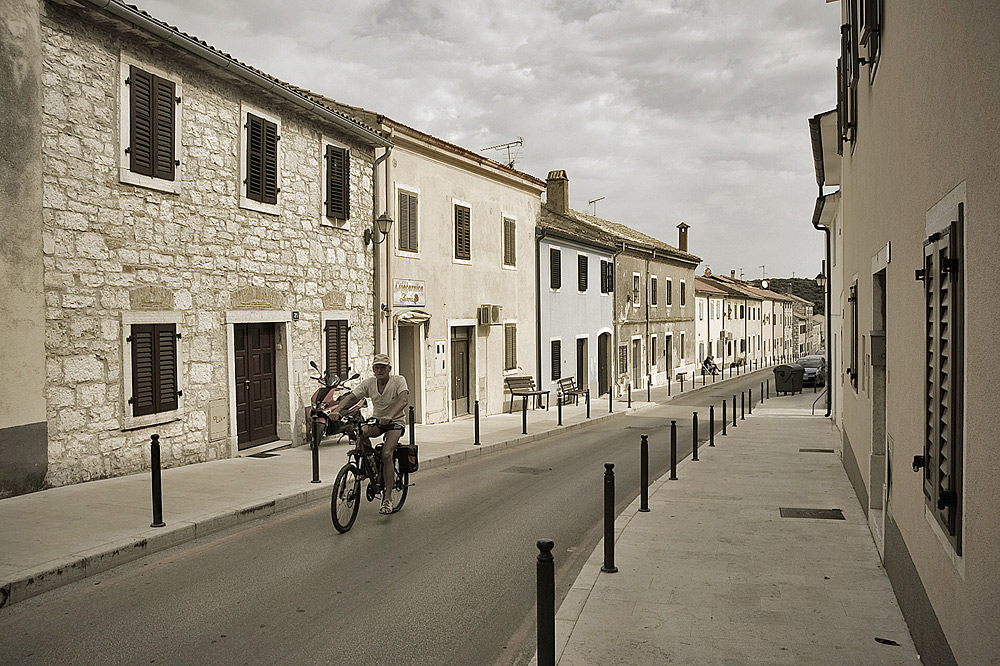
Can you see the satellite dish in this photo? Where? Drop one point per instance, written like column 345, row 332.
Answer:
column 763, row 283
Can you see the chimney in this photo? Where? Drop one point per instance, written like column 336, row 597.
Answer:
column 732, row 274
column 682, row 236
column 557, row 191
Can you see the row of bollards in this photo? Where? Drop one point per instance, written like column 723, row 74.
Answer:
column 546, row 565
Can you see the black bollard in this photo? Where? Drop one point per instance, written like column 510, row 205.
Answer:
column 762, row 392
column 750, row 401
column 412, row 434
column 611, row 398
column 694, row 379
column 768, row 389
column 743, row 405
column 546, row 603
column 711, row 425
column 630, row 394
column 609, row 519
column 649, row 385
column 682, row 382
column 669, row 382
column 154, row 463
column 524, row 415
column 315, row 452
column 588, row 403
column 694, row 437
column 673, row 450
column 724, row 419
column 477, row 424
column 559, row 411
column 734, row 410
column 713, row 376
column 644, row 473
column 703, row 376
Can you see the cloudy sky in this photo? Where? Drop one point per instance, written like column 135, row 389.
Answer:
column 672, row 110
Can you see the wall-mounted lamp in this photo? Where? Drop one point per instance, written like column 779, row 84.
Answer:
column 382, row 226
column 821, row 280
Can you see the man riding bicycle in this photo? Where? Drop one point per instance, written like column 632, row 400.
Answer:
column 389, row 395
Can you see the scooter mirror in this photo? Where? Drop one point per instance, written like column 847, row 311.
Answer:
column 355, row 376
column 313, row 364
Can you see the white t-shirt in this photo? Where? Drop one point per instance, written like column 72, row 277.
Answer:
column 381, row 402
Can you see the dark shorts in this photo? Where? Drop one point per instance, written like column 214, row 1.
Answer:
column 392, row 426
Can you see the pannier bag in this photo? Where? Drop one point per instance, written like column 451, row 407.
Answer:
column 406, row 454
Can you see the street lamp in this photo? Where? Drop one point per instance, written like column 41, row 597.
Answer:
column 382, row 226
column 821, row 280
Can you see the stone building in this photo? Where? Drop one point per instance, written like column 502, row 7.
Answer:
column 187, row 237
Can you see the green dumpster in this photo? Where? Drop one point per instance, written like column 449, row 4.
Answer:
column 788, row 378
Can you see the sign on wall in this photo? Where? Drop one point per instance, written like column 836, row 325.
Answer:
column 407, row 292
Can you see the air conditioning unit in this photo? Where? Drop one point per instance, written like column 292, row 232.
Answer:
column 490, row 315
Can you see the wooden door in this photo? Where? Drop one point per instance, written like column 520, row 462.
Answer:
column 256, row 407
column 603, row 371
column 582, row 364
column 460, row 371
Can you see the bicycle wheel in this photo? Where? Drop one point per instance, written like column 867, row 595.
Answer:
column 400, row 485
column 346, row 497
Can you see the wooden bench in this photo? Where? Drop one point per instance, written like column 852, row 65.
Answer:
column 521, row 385
column 568, row 389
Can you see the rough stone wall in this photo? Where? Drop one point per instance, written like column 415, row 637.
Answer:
column 103, row 239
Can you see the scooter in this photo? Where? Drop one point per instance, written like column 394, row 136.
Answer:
column 324, row 400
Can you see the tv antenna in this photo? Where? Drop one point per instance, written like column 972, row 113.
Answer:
column 593, row 202
column 510, row 158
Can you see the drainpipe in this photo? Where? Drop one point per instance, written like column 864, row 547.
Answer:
column 646, row 341
column 826, row 266
column 376, row 295
column 539, row 235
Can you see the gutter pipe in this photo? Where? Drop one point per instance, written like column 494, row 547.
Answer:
column 817, row 142
column 376, row 286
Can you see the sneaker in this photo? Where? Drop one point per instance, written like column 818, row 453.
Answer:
column 386, row 506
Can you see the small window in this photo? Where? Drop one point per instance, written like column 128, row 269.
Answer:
column 635, row 290
column 154, row 368
column 652, row 350
column 623, row 359
column 652, row 290
column 670, row 292
column 408, row 226
column 701, row 310
column 338, row 183
column 509, row 242
column 510, row 346
column 555, row 268
column 337, row 358
column 463, row 232
column 682, row 346
column 556, row 359
column 683, row 293
column 582, row 265
column 261, row 183
column 607, row 277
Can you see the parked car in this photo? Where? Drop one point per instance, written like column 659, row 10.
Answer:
column 815, row 370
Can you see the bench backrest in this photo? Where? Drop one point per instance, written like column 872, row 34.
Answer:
column 520, row 382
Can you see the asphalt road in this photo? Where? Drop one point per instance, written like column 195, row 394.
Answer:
column 450, row 579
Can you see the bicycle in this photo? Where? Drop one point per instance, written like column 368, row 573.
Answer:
column 363, row 462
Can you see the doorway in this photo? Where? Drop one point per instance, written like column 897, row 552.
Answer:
column 668, row 355
column 582, row 364
column 880, row 482
column 637, row 372
column 460, row 370
column 256, row 387
column 603, row 369
column 410, row 366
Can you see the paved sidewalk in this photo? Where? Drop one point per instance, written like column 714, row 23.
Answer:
column 61, row 535
column 713, row 574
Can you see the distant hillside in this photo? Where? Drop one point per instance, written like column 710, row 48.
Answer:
column 801, row 287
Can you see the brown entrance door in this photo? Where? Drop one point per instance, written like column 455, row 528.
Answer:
column 603, row 371
column 256, row 408
column 636, row 363
column 582, row 364
column 460, row 371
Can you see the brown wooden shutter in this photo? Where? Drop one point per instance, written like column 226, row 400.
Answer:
column 270, row 162
column 683, row 293
column 652, row 291
column 510, row 346
column 555, row 268
column 163, row 128
column 255, row 158
column 509, row 242
column 140, row 121
column 337, row 361
column 556, row 359
column 463, row 233
column 407, row 211
column 670, row 292
column 338, row 187
column 414, row 222
column 154, row 368
column 582, row 266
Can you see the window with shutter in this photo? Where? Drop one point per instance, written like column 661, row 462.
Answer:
column 944, row 380
column 622, row 359
column 555, row 268
column 582, row 266
column 261, row 183
column 670, row 292
column 556, row 359
column 510, row 346
column 154, row 368
column 509, row 242
column 337, row 358
column 463, row 232
column 407, row 225
column 852, row 301
column 652, row 291
column 682, row 346
column 683, row 293
column 338, row 183
column 635, row 290
column 152, row 118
